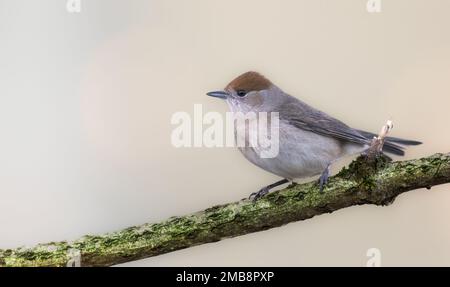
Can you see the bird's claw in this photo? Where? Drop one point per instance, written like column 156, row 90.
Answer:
column 257, row 195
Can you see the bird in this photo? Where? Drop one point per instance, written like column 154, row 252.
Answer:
column 310, row 141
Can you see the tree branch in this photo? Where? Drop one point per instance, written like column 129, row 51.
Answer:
column 367, row 180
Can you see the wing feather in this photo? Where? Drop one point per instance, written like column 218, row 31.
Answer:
column 307, row 118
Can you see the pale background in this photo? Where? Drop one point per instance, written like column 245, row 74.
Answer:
column 86, row 101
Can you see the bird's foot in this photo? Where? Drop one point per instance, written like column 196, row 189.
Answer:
column 323, row 180
column 257, row 195
column 265, row 190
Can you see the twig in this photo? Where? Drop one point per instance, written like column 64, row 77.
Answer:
column 376, row 146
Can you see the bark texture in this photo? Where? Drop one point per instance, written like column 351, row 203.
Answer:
column 366, row 180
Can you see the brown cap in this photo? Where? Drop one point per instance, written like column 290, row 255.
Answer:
column 250, row 81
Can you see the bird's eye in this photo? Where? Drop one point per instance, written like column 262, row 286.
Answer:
column 241, row 93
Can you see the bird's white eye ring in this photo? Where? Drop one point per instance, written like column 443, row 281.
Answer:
column 241, row 93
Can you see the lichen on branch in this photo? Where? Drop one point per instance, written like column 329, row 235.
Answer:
column 367, row 180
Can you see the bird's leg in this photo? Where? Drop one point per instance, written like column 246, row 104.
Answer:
column 265, row 190
column 324, row 177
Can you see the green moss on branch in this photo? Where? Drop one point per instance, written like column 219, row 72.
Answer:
column 374, row 181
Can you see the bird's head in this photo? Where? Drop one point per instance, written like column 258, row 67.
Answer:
column 250, row 91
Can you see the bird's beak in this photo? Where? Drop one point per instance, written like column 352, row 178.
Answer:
column 218, row 94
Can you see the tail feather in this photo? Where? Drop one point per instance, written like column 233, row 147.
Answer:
column 393, row 148
column 392, row 144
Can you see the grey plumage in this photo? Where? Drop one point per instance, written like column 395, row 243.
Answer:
column 309, row 140
column 308, row 118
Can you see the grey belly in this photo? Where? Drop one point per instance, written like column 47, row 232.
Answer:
column 301, row 153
